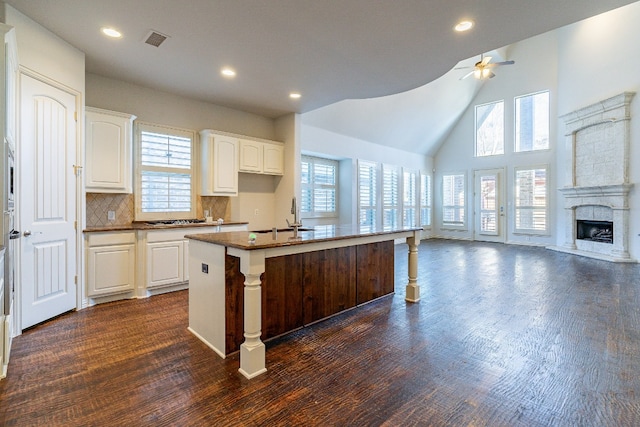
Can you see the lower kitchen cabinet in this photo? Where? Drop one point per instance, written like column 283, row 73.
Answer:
column 166, row 255
column 165, row 263
column 110, row 263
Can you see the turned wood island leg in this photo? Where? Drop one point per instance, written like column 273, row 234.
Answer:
column 252, row 350
column 412, row 289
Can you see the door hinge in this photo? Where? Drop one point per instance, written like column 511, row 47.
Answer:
column 75, row 225
column 75, row 279
column 75, row 116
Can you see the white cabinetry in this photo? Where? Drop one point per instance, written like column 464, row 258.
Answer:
column 166, row 254
column 165, row 263
column 261, row 157
column 219, row 169
column 110, row 263
column 109, row 153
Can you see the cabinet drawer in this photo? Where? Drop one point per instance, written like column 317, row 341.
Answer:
column 111, row 238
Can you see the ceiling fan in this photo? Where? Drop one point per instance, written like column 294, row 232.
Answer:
column 482, row 69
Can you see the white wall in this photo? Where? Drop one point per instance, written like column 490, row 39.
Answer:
column 599, row 58
column 324, row 143
column 154, row 106
column 534, row 70
column 45, row 53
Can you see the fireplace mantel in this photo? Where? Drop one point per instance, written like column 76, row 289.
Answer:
column 597, row 175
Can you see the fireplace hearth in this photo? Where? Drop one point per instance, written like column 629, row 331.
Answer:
column 595, row 231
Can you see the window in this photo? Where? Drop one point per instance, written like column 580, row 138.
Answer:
column 490, row 129
column 531, row 200
column 425, row 200
column 532, row 122
column 453, row 197
column 367, row 196
column 409, row 199
column 164, row 173
column 319, row 187
column 390, row 197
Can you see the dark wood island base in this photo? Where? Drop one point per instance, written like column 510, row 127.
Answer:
column 242, row 292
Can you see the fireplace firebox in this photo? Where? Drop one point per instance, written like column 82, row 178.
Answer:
column 595, row 231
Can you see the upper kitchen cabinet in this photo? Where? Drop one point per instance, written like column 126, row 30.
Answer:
column 109, row 152
column 261, row 157
column 219, row 171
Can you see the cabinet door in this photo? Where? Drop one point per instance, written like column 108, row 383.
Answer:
column 108, row 152
column 251, row 154
column 225, row 171
column 273, row 159
column 111, row 269
column 165, row 263
column 219, row 167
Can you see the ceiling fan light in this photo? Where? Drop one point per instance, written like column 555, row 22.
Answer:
column 477, row 73
column 486, row 73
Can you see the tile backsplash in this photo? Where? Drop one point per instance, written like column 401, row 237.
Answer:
column 99, row 204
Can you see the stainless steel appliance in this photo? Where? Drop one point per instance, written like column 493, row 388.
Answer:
column 9, row 234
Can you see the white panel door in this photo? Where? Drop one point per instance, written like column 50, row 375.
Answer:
column 489, row 209
column 47, row 201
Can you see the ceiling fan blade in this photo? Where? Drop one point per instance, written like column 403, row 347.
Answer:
column 467, row 75
column 492, row 75
column 504, row 63
column 463, row 68
column 485, row 60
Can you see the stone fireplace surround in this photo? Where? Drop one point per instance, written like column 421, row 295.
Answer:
column 597, row 176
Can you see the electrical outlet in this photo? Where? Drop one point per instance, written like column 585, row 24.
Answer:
column 205, row 268
column 111, row 215
column 256, row 212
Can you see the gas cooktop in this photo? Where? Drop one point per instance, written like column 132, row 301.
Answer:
column 176, row 222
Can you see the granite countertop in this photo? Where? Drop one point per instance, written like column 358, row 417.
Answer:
column 144, row 225
column 265, row 240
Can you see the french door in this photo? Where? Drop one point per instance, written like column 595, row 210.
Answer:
column 489, row 210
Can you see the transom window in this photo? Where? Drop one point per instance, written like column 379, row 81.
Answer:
column 319, row 187
column 164, row 172
column 532, row 122
column 490, row 129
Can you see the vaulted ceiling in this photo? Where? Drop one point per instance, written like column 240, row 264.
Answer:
column 328, row 51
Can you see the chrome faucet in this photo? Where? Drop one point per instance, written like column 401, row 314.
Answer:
column 297, row 223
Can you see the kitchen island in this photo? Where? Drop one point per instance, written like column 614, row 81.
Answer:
column 244, row 291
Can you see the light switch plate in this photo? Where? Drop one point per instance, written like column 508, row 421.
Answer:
column 111, row 215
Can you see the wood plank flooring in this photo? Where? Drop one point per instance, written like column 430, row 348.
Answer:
column 503, row 336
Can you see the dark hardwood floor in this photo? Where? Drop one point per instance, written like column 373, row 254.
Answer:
column 503, row 336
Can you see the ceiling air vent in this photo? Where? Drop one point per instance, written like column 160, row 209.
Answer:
column 155, row 38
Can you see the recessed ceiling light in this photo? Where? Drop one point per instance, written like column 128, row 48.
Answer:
column 228, row 72
column 111, row 32
column 463, row 26
column 294, row 95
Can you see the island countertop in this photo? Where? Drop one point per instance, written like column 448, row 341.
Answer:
column 266, row 239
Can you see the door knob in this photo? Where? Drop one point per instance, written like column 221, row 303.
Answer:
column 26, row 233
